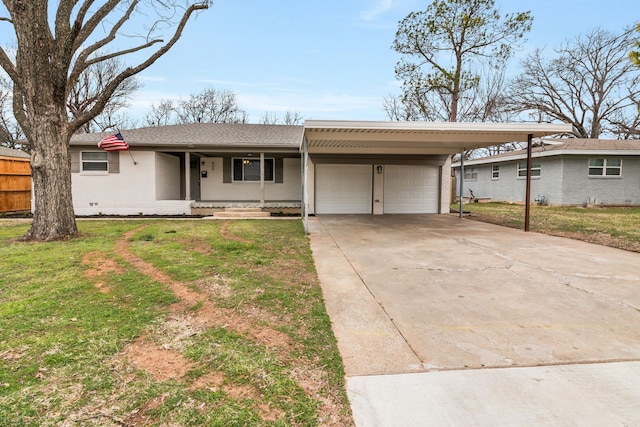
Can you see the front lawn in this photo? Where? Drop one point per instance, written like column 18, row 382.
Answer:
column 160, row 322
column 610, row 226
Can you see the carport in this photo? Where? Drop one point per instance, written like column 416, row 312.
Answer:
column 364, row 167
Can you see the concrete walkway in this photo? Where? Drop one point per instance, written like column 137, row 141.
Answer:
column 449, row 322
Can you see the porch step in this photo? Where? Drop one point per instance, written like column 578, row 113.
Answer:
column 241, row 213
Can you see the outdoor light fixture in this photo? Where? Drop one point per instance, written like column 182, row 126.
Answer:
column 379, row 169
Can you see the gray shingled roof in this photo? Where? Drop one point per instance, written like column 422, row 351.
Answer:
column 205, row 135
column 553, row 147
column 10, row 152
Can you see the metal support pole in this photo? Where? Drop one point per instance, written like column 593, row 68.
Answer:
column 305, row 183
column 527, row 200
column 461, row 182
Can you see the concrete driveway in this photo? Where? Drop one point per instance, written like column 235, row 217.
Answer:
column 449, row 322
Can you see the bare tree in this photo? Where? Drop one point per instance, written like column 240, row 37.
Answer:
column 290, row 118
column 10, row 132
column 163, row 114
column 485, row 102
column 441, row 46
column 269, row 118
column 634, row 55
column 209, row 106
column 88, row 89
column 590, row 83
column 51, row 56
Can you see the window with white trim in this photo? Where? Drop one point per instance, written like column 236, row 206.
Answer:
column 470, row 174
column 495, row 172
column 605, row 167
column 248, row 169
column 94, row 161
column 522, row 169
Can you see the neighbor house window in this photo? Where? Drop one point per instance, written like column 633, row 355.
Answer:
column 249, row 169
column 470, row 174
column 495, row 171
column 95, row 161
column 605, row 167
column 522, row 169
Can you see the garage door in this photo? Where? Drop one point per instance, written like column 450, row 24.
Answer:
column 343, row 189
column 410, row 189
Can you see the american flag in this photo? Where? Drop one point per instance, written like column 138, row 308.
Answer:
column 113, row 143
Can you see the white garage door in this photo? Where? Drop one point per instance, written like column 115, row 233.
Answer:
column 343, row 189
column 410, row 189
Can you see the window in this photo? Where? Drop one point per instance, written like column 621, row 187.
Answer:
column 470, row 174
column 95, row 161
column 605, row 167
column 249, row 169
column 522, row 169
column 495, row 172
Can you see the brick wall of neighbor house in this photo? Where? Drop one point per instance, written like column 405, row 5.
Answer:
column 506, row 188
column 563, row 180
column 580, row 189
column 132, row 191
column 509, row 187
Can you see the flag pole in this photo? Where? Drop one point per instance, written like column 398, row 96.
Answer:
column 129, row 151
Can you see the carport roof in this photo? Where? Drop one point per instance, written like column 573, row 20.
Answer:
column 366, row 137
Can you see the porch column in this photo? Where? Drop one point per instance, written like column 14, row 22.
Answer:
column 187, row 175
column 261, row 179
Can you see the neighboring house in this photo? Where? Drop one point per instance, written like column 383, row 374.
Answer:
column 15, row 180
column 323, row 167
column 564, row 172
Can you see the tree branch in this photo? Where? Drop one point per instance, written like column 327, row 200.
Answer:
column 110, row 89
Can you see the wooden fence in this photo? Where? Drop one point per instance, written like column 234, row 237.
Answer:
column 15, row 184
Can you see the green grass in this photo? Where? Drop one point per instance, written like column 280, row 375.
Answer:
column 611, row 226
column 69, row 309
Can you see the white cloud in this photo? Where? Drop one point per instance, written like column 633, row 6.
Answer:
column 381, row 7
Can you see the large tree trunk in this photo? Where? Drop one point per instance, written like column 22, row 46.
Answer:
column 50, row 58
column 53, row 216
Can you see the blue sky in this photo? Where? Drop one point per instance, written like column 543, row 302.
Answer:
column 328, row 59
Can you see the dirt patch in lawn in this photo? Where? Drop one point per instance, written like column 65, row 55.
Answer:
column 201, row 309
column 224, row 231
column 159, row 352
column 99, row 267
column 162, row 364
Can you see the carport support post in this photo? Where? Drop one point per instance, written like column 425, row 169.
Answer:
column 461, row 181
column 527, row 199
column 305, row 183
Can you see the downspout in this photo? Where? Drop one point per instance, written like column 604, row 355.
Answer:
column 527, row 200
column 305, row 183
column 461, row 182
